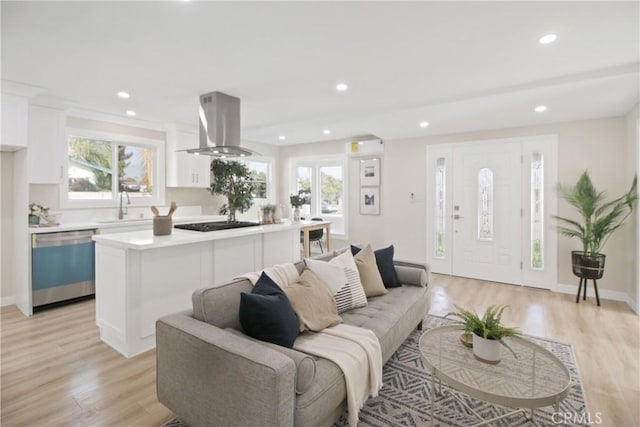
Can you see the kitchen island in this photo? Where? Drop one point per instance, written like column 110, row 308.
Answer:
column 141, row 277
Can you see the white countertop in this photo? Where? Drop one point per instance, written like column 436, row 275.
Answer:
column 106, row 224
column 144, row 239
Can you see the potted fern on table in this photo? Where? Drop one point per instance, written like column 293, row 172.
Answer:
column 598, row 220
column 487, row 331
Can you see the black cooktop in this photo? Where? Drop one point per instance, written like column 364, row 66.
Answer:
column 215, row 225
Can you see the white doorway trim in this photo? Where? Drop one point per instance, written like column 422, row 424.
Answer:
column 547, row 145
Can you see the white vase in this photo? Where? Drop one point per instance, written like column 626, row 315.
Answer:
column 296, row 214
column 485, row 350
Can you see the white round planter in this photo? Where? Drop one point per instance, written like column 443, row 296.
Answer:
column 485, row 350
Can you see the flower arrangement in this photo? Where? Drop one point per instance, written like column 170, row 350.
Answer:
column 38, row 210
column 297, row 200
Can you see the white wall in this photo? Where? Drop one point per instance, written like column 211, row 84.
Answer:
column 6, row 225
column 598, row 145
column 633, row 248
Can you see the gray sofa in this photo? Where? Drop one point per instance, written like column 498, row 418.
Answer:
column 210, row 374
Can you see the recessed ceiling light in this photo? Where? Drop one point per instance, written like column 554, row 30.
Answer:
column 216, row 152
column 360, row 142
column 326, row 131
column 131, row 113
column 223, row 157
column 196, row 154
column 540, row 108
column 341, row 87
column 549, row 38
column 282, row 137
column 242, row 155
column 123, row 95
column 424, row 124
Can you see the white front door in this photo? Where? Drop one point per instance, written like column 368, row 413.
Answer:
column 488, row 210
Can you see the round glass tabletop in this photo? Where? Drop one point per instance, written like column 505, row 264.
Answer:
column 533, row 379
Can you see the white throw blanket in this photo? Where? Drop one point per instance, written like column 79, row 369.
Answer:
column 357, row 352
column 283, row 274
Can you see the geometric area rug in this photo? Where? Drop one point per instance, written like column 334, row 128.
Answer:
column 404, row 398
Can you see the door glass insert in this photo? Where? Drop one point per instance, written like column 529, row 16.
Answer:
column 440, row 207
column 485, row 204
column 537, row 211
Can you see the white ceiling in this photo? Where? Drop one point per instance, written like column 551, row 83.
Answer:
column 460, row 66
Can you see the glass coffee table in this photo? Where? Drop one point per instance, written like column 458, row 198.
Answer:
column 536, row 378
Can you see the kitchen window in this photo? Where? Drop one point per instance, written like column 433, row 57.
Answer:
column 100, row 166
column 260, row 178
column 323, row 184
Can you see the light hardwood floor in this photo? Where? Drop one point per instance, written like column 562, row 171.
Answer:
column 56, row 371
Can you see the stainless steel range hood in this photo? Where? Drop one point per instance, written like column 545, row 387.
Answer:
column 220, row 126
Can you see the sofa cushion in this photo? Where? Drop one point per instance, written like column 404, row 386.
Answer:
column 313, row 303
column 369, row 274
column 384, row 261
column 266, row 313
column 305, row 364
column 351, row 294
column 392, row 316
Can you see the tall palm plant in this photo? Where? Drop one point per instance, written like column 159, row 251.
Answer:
column 599, row 219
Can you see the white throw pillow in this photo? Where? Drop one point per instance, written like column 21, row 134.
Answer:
column 331, row 275
column 351, row 293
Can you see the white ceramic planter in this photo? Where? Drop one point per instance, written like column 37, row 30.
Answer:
column 486, row 350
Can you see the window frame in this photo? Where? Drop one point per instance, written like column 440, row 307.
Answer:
column 316, row 163
column 158, row 147
column 270, row 166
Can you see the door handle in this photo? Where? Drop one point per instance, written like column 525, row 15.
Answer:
column 456, row 216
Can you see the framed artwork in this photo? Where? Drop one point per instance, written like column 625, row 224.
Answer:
column 370, row 172
column 370, row 201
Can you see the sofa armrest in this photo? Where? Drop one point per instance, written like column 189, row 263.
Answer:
column 413, row 273
column 208, row 376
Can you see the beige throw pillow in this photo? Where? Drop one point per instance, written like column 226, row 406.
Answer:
column 369, row 273
column 313, row 303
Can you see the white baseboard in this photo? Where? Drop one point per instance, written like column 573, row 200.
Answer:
column 604, row 293
column 4, row 301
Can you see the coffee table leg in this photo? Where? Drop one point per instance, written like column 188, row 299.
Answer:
column 432, row 396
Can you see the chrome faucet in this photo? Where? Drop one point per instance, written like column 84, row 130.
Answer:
column 121, row 212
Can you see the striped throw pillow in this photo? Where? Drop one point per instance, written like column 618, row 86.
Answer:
column 352, row 294
column 341, row 276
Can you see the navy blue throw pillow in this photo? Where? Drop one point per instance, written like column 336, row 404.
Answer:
column 384, row 261
column 266, row 313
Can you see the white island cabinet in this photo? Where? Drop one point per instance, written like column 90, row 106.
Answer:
column 141, row 277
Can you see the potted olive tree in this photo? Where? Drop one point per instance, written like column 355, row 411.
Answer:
column 233, row 180
column 487, row 331
column 598, row 220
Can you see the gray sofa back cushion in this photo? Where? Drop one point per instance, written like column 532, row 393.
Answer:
column 219, row 305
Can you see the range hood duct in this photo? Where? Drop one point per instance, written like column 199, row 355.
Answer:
column 219, row 116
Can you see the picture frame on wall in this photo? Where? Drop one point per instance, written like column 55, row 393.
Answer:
column 370, row 201
column 370, row 172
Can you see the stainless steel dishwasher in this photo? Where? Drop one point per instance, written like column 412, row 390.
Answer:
column 62, row 266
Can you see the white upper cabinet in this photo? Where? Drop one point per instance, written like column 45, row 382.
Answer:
column 184, row 169
column 47, row 145
column 15, row 116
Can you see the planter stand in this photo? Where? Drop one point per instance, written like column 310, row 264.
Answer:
column 587, row 266
column 583, row 280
